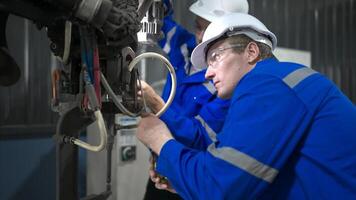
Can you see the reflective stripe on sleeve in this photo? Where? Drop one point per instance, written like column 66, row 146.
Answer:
column 244, row 162
column 184, row 51
column 210, row 131
column 210, row 87
column 297, row 76
column 167, row 46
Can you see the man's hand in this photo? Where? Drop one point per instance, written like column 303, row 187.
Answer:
column 157, row 179
column 153, row 133
column 153, row 100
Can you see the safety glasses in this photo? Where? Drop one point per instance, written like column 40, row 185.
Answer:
column 216, row 55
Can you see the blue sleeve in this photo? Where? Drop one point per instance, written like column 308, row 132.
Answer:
column 178, row 44
column 262, row 128
column 200, row 131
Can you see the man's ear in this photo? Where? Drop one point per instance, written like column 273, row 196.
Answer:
column 253, row 52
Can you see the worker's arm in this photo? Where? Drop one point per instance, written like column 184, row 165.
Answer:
column 263, row 127
column 193, row 131
column 199, row 131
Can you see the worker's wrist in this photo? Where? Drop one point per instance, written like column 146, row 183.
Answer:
column 157, row 105
column 159, row 143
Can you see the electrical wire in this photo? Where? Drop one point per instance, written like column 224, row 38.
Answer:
column 88, row 60
column 93, row 100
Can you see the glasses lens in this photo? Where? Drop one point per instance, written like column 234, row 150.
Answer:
column 212, row 58
column 215, row 56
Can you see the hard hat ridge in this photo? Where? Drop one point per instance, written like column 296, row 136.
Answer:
column 213, row 9
column 235, row 6
column 256, row 36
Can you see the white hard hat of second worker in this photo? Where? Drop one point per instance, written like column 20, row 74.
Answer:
column 232, row 24
column 213, row 9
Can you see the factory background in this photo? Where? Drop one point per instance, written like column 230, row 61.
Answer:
column 324, row 29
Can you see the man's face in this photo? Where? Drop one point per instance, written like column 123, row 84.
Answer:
column 226, row 67
column 200, row 25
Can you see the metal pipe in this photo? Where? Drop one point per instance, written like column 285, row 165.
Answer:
column 142, row 10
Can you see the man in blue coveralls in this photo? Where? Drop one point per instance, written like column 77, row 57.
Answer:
column 196, row 107
column 289, row 133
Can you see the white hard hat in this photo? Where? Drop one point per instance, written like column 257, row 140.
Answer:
column 232, row 24
column 213, row 9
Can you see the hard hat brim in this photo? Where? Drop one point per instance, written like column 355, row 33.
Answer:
column 198, row 54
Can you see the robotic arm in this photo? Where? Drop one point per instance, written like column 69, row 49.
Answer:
column 95, row 40
column 115, row 18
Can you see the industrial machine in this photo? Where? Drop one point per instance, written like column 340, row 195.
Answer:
column 96, row 42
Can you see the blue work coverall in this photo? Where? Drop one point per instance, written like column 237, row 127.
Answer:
column 290, row 133
column 195, row 110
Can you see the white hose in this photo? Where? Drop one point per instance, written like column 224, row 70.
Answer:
column 103, row 135
column 67, row 41
column 170, row 68
column 99, row 117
